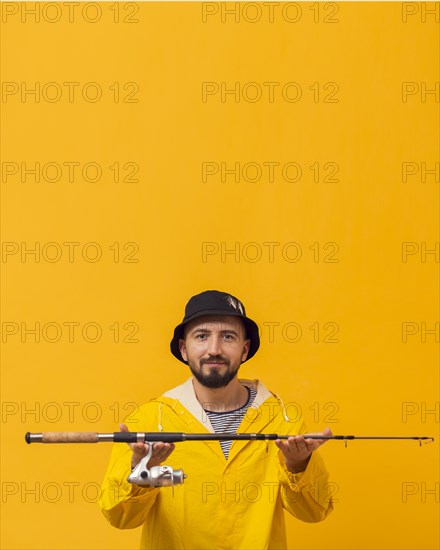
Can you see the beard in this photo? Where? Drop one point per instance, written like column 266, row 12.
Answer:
column 213, row 378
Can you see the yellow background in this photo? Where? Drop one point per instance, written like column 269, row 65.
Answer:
column 369, row 382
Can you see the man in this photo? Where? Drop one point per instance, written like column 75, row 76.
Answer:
column 235, row 492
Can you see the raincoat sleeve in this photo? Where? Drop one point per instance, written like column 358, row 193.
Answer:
column 306, row 495
column 123, row 504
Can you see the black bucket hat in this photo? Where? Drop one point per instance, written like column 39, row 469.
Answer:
column 214, row 302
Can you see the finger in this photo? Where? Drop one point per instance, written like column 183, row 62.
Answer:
column 133, row 446
column 159, row 447
column 313, row 444
column 302, row 445
column 289, row 444
column 282, row 445
column 162, row 449
column 167, row 447
column 296, row 443
column 139, row 448
column 161, row 454
column 326, row 432
column 139, row 451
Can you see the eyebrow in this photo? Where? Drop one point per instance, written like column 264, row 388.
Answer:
column 207, row 331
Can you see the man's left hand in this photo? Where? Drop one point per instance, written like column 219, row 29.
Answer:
column 297, row 450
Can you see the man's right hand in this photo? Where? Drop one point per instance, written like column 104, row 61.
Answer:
column 161, row 451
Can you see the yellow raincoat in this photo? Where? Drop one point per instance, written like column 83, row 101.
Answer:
column 223, row 504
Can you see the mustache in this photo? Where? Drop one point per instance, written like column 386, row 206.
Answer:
column 215, row 359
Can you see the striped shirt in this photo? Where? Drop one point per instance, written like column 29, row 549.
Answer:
column 229, row 421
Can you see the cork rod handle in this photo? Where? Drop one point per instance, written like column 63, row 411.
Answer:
column 62, row 437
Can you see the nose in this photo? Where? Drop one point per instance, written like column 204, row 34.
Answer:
column 214, row 345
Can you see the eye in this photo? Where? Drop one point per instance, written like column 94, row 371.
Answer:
column 229, row 337
column 201, row 337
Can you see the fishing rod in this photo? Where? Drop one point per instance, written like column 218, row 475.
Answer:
column 161, row 476
column 175, row 437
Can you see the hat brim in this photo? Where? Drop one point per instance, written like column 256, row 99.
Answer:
column 252, row 332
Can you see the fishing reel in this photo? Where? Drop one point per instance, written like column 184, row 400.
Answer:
column 156, row 476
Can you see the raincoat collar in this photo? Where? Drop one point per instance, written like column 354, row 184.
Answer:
column 265, row 408
column 186, row 395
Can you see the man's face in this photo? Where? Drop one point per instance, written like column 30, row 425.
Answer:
column 214, row 347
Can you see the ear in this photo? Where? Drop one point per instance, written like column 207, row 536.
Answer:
column 246, row 348
column 182, row 349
